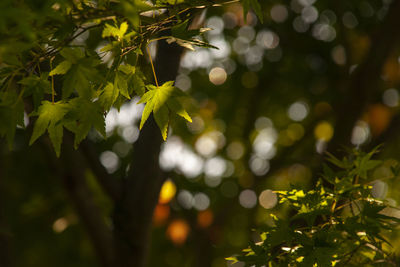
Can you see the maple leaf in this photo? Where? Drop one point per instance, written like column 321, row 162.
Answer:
column 80, row 123
column 128, row 79
column 61, row 68
column 71, row 56
column 50, row 117
column 37, row 87
column 137, row 83
column 79, row 71
column 119, row 33
column 108, row 96
column 162, row 101
column 11, row 115
column 120, row 82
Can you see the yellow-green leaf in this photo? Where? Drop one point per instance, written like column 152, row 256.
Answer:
column 162, row 101
column 50, row 117
column 61, row 68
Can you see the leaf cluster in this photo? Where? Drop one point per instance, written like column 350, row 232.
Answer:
column 61, row 79
column 336, row 224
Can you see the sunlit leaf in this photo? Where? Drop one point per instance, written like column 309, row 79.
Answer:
column 49, row 118
column 108, row 96
column 159, row 100
column 61, row 68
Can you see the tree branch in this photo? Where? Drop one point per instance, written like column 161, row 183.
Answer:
column 70, row 167
column 91, row 216
column 110, row 186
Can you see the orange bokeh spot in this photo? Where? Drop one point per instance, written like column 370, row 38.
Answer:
column 378, row 118
column 391, row 70
column 178, row 231
column 161, row 214
column 205, row 218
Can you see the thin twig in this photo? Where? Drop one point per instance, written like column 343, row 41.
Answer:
column 152, row 66
column 52, row 81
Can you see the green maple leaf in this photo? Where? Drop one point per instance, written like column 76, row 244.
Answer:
column 177, row 107
column 61, row 68
column 120, row 82
column 137, row 83
column 78, row 70
column 71, row 56
column 129, row 79
column 74, row 79
column 125, row 81
column 108, row 96
column 83, row 115
column 127, row 69
column 81, row 76
column 119, row 33
column 50, row 118
column 37, row 87
column 11, row 114
column 162, row 101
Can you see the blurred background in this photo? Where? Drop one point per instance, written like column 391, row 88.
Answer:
column 266, row 105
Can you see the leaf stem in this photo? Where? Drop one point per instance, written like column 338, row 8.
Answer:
column 52, row 81
column 152, row 65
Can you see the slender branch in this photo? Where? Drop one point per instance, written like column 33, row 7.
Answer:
column 152, row 65
column 52, row 81
column 70, row 167
column 55, row 50
column 90, row 215
column 108, row 183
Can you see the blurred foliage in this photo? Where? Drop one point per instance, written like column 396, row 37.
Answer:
column 336, row 225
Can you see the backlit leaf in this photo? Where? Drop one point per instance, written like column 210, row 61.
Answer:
column 162, row 101
column 50, row 117
column 61, row 68
column 82, row 122
column 120, row 82
column 108, row 96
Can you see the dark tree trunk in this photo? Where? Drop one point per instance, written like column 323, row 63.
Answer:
column 5, row 235
column 134, row 211
column 71, row 168
column 366, row 79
